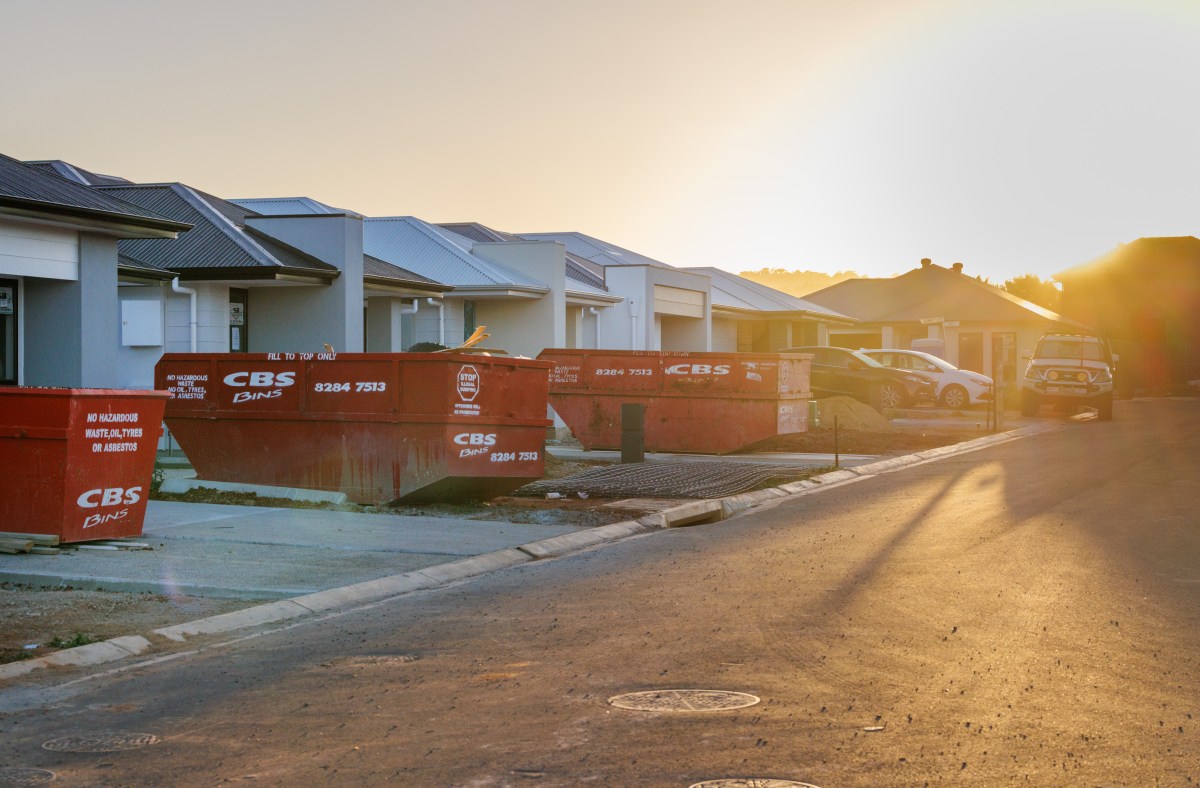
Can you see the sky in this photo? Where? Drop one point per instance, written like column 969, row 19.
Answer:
column 828, row 135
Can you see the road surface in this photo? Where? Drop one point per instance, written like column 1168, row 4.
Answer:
column 1024, row 614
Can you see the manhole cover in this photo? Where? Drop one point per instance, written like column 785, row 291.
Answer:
column 101, row 742
column 17, row 777
column 751, row 782
column 684, row 700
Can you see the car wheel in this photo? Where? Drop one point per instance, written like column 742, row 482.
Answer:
column 1029, row 404
column 892, row 395
column 955, row 396
column 1104, row 407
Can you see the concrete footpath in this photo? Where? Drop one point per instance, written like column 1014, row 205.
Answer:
column 304, row 562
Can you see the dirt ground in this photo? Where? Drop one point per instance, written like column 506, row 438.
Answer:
column 35, row 621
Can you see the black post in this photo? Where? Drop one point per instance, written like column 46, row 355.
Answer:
column 633, row 428
column 837, row 457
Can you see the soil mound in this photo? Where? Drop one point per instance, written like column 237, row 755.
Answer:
column 851, row 415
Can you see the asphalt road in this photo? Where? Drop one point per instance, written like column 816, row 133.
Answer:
column 1024, row 614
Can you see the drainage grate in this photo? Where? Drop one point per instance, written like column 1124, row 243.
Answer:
column 751, row 782
column 17, row 777
column 668, row 479
column 684, row 700
column 102, row 742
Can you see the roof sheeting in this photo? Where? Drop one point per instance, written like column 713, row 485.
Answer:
column 578, row 269
column 438, row 254
column 382, row 269
column 29, row 187
column 595, row 250
column 219, row 239
column 289, row 206
column 69, row 171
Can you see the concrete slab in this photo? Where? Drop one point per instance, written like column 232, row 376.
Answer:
column 246, row 552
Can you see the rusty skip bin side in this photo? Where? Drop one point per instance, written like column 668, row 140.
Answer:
column 77, row 462
column 380, row 427
column 706, row 403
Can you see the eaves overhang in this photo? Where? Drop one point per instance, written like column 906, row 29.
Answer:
column 115, row 224
column 262, row 274
column 499, row 291
column 135, row 274
column 576, row 298
column 391, row 286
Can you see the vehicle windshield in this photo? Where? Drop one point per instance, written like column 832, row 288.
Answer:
column 940, row 363
column 865, row 359
column 1070, row 348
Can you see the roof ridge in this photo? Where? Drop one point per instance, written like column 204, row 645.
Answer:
column 238, row 236
column 494, row 273
column 478, row 263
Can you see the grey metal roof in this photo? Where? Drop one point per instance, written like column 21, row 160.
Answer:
column 381, row 269
column 29, row 188
column 289, row 206
column 219, row 240
column 71, row 172
column 578, row 268
column 735, row 291
column 595, row 250
column 437, row 254
column 373, row 267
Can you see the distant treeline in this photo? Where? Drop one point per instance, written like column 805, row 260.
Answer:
column 798, row 283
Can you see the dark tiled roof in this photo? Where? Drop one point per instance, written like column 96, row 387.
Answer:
column 220, row 238
column 25, row 186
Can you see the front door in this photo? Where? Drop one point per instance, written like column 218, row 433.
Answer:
column 8, row 332
column 970, row 352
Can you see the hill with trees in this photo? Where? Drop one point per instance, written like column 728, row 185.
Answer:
column 798, row 283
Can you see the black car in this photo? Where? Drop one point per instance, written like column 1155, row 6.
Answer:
column 841, row 371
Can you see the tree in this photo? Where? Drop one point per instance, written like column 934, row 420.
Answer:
column 1041, row 292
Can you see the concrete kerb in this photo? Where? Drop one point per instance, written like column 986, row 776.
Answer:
column 81, row 656
column 568, row 543
column 691, row 513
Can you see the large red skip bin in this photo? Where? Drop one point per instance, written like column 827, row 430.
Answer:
column 707, row 403
column 380, row 427
column 77, row 463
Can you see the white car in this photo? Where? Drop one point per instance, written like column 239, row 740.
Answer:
column 955, row 388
